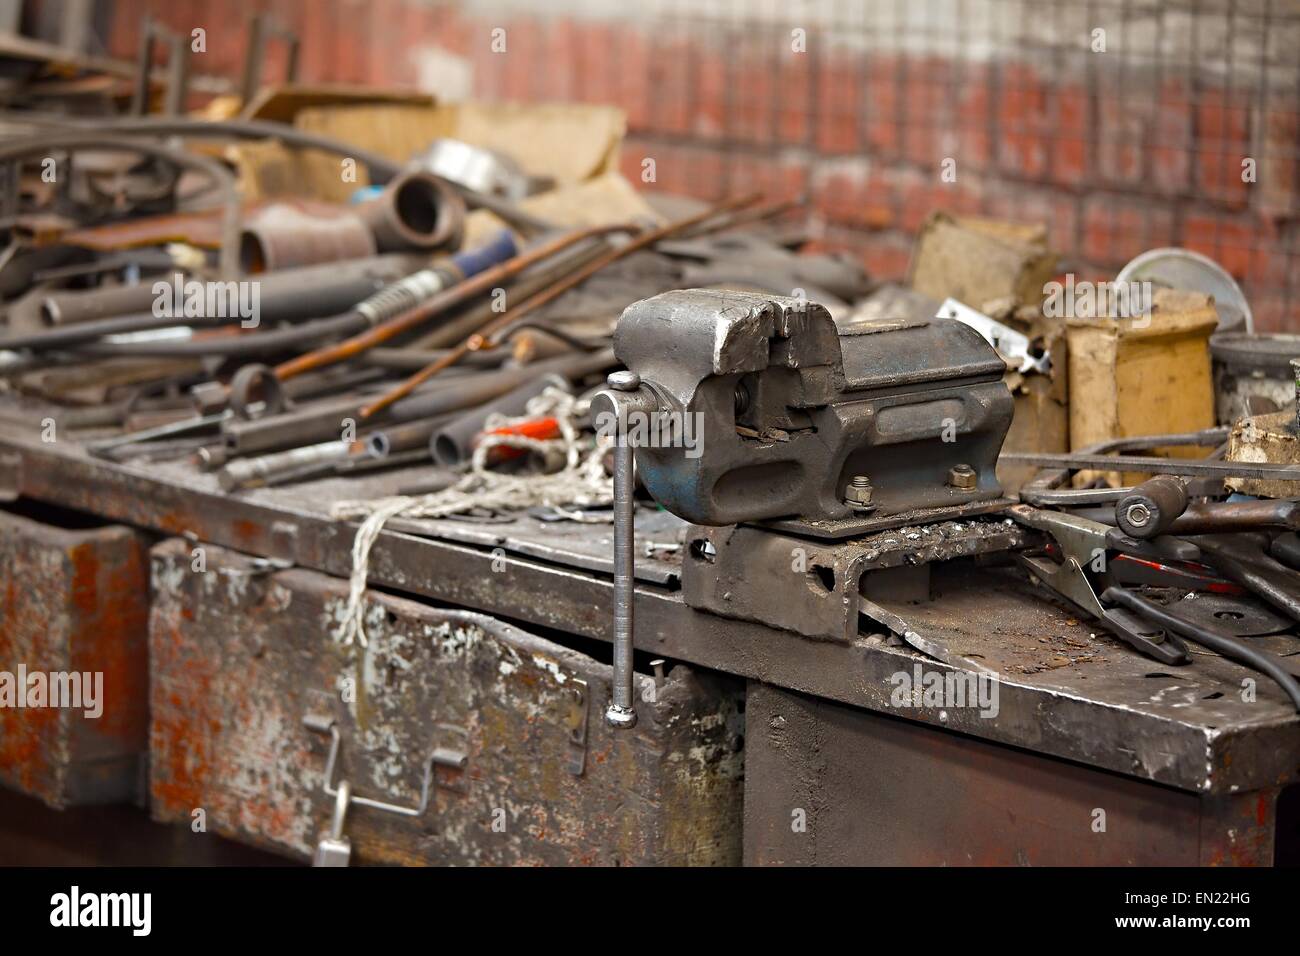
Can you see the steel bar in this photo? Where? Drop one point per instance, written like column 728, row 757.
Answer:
column 1155, row 465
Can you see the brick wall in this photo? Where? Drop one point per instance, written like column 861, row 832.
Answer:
column 1119, row 149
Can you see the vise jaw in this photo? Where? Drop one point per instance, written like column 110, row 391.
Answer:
column 823, row 430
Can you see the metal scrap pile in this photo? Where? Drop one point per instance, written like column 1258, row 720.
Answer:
column 284, row 340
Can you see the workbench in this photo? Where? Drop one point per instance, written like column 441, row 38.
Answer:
column 1095, row 754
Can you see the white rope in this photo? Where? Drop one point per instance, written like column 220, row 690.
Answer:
column 582, row 481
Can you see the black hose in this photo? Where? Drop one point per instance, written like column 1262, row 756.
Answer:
column 1229, row 647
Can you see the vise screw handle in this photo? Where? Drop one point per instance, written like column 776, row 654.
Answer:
column 624, row 395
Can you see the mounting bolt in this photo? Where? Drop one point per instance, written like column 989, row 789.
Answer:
column 858, row 493
column 963, row 477
column 623, row 381
column 1138, row 515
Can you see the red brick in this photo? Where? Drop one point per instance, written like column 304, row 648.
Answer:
column 1117, row 228
column 555, row 76
column 712, row 67
column 794, row 91
column 633, row 53
column 1222, row 142
column 881, row 124
column 778, row 179
column 1069, row 159
column 1274, row 313
column 1277, row 188
column 885, row 256
column 1171, row 139
column 839, row 104
column 1023, row 134
column 1233, row 242
column 847, row 192
column 753, row 92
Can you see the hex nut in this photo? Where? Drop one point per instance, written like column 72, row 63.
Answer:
column 858, row 493
column 963, row 477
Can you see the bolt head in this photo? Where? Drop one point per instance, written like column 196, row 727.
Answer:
column 1138, row 515
column 963, row 477
column 623, row 381
column 620, row 718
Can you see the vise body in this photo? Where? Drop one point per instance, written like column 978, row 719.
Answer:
column 800, row 445
column 830, row 432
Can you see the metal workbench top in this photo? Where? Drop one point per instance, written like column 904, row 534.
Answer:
column 1065, row 690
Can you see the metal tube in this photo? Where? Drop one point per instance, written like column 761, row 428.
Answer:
column 1295, row 372
column 286, row 296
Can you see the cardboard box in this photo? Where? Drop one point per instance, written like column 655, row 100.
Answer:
column 1148, row 375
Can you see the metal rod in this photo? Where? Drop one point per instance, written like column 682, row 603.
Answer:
column 444, row 300
column 481, row 338
column 621, row 712
column 1155, row 465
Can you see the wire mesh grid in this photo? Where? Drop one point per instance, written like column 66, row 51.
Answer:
column 1123, row 124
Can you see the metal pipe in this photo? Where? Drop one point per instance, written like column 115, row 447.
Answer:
column 452, row 444
column 1295, row 373
column 246, row 472
column 417, row 210
column 282, row 236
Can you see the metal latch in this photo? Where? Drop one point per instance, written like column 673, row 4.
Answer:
column 335, row 849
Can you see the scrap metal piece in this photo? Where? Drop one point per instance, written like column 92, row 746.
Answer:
column 1010, row 343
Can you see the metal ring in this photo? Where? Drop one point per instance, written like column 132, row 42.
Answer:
column 256, row 392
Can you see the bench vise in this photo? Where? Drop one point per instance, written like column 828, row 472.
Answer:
column 756, row 411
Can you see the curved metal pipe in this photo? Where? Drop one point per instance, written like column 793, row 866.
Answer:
column 228, row 262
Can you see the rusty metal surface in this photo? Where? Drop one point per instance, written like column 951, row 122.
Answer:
column 832, row 785
column 74, row 600
column 1188, row 735
column 734, row 578
column 239, row 659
